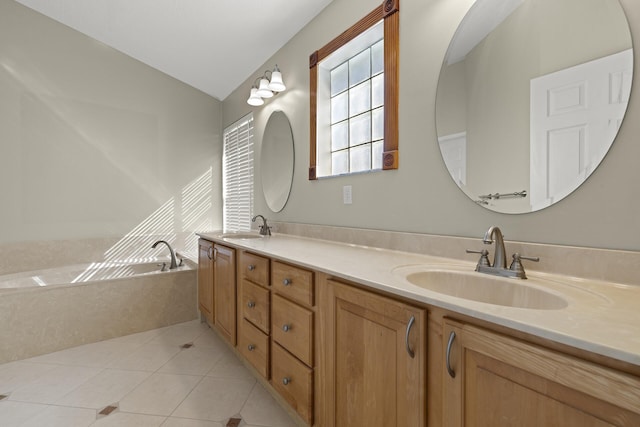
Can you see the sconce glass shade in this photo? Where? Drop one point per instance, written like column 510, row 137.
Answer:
column 276, row 84
column 254, row 99
column 263, row 90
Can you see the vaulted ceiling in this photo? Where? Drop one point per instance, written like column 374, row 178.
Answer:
column 212, row 45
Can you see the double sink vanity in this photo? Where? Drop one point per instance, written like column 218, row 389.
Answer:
column 354, row 335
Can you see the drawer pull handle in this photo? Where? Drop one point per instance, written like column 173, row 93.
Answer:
column 286, row 380
column 287, row 282
column 286, row 328
column 406, row 337
column 451, row 372
column 251, row 347
column 251, row 267
column 251, row 304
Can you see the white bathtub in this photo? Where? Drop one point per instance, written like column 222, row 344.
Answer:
column 82, row 273
column 48, row 310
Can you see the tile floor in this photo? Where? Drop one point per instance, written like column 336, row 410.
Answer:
column 148, row 376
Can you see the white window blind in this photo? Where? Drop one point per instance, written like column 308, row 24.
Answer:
column 237, row 175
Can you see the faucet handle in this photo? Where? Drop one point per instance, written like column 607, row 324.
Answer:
column 516, row 265
column 484, row 257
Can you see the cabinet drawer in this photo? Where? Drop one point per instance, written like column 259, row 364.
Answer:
column 254, row 346
column 294, row 381
column 254, row 268
column 296, row 283
column 292, row 328
column 255, row 305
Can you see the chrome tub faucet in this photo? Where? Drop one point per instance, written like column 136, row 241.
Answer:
column 174, row 262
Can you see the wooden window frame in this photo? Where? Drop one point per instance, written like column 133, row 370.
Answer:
column 389, row 13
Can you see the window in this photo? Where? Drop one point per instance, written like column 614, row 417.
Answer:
column 354, row 102
column 237, row 175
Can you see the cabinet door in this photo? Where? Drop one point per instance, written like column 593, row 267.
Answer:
column 498, row 381
column 225, row 292
column 205, row 279
column 372, row 358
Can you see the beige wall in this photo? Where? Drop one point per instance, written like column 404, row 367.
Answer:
column 420, row 196
column 96, row 144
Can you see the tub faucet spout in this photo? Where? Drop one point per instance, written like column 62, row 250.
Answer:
column 174, row 263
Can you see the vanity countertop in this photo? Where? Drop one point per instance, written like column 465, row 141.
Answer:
column 601, row 317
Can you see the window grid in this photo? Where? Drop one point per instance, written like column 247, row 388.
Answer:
column 345, row 149
column 237, row 175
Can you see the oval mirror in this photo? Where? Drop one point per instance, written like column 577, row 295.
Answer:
column 530, row 98
column 276, row 161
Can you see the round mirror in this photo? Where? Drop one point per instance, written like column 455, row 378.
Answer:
column 276, row 161
column 530, row 98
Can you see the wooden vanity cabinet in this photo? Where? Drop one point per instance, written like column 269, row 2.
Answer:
column 292, row 335
column 224, row 291
column 495, row 380
column 217, row 287
column 372, row 352
column 254, row 310
column 205, row 279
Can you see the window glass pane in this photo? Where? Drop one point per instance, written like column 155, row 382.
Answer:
column 340, row 162
column 359, row 68
column 360, row 98
column 361, row 158
column 377, row 58
column 376, row 152
column 377, row 124
column 340, row 107
column 340, row 136
column 377, row 91
column 360, row 129
column 339, row 79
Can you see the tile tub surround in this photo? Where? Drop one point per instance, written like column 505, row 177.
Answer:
column 148, row 377
column 601, row 317
column 41, row 320
column 590, row 263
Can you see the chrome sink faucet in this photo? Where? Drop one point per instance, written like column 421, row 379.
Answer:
column 174, row 262
column 499, row 258
column 265, row 230
column 499, row 266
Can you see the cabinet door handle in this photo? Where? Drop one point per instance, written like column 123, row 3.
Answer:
column 451, row 372
column 215, row 254
column 406, row 337
column 286, row 380
column 251, row 347
column 251, row 304
column 251, row 267
column 286, row 282
column 210, row 252
column 286, row 328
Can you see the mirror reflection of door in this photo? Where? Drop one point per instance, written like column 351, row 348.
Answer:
column 575, row 112
column 501, row 53
column 454, row 152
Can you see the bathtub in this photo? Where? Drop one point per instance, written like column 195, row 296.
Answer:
column 82, row 273
column 53, row 309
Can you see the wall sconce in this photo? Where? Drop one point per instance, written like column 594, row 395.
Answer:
column 265, row 86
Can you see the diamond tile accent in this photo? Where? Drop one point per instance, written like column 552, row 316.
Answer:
column 234, row 422
column 108, row 410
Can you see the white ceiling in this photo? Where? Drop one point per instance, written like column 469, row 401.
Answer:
column 212, row 45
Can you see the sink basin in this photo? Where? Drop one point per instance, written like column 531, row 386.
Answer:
column 242, row 236
column 487, row 289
